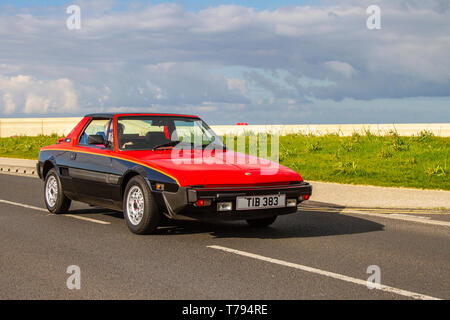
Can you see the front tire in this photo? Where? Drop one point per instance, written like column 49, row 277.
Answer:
column 54, row 198
column 140, row 210
column 261, row 223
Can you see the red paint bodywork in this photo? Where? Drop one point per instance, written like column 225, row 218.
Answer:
column 220, row 174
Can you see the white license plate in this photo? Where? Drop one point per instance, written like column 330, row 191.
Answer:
column 261, row 202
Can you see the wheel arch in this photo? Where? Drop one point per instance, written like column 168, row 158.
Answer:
column 126, row 178
column 48, row 165
column 137, row 171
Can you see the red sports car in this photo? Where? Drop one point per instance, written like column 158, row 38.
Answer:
column 149, row 165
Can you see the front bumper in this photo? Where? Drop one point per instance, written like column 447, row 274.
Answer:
column 180, row 204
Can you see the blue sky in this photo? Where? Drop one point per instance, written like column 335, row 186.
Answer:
column 194, row 5
column 259, row 62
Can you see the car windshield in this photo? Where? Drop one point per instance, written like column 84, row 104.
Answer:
column 159, row 132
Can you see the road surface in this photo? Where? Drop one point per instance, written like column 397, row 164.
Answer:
column 322, row 252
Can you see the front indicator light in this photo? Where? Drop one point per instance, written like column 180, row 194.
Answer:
column 291, row 203
column 305, row 197
column 224, row 206
column 203, row 203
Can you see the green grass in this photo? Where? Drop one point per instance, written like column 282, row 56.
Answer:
column 419, row 162
column 25, row 147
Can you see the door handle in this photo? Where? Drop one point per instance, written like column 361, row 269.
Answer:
column 73, row 156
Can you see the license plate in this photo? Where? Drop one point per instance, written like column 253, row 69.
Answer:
column 261, row 202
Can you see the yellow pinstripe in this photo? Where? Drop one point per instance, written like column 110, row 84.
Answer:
column 115, row 157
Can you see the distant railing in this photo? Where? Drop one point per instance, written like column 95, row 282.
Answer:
column 61, row 126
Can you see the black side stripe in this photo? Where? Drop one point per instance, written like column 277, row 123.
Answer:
column 94, row 176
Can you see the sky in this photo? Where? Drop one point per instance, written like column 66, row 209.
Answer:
column 193, row 5
column 260, row 62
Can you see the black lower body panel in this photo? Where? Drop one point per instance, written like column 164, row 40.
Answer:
column 181, row 204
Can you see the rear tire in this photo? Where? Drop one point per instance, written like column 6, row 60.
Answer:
column 141, row 213
column 261, row 223
column 54, row 198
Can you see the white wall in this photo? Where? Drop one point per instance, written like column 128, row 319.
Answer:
column 62, row 126
column 36, row 126
column 438, row 129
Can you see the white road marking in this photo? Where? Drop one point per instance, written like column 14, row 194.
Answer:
column 86, row 219
column 409, row 216
column 333, row 275
column 403, row 217
column 380, row 210
column 395, row 216
column 45, row 210
column 23, row 205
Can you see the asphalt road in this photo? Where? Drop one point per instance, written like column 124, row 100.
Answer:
column 322, row 252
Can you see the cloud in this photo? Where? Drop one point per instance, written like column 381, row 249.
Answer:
column 147, row 57
column 341, row 67
column 23, row 94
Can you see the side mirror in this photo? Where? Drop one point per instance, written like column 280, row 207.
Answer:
column 96, row 139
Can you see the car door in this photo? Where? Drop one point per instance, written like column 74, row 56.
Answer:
column 91, row 165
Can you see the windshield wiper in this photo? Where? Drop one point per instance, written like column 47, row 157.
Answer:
column 167, row 144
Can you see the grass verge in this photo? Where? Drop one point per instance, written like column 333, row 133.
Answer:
column 420, row 161
column 25, row 147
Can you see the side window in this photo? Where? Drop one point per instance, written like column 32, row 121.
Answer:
column 95, row 127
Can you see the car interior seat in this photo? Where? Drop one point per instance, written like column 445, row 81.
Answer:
column 154, row 139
